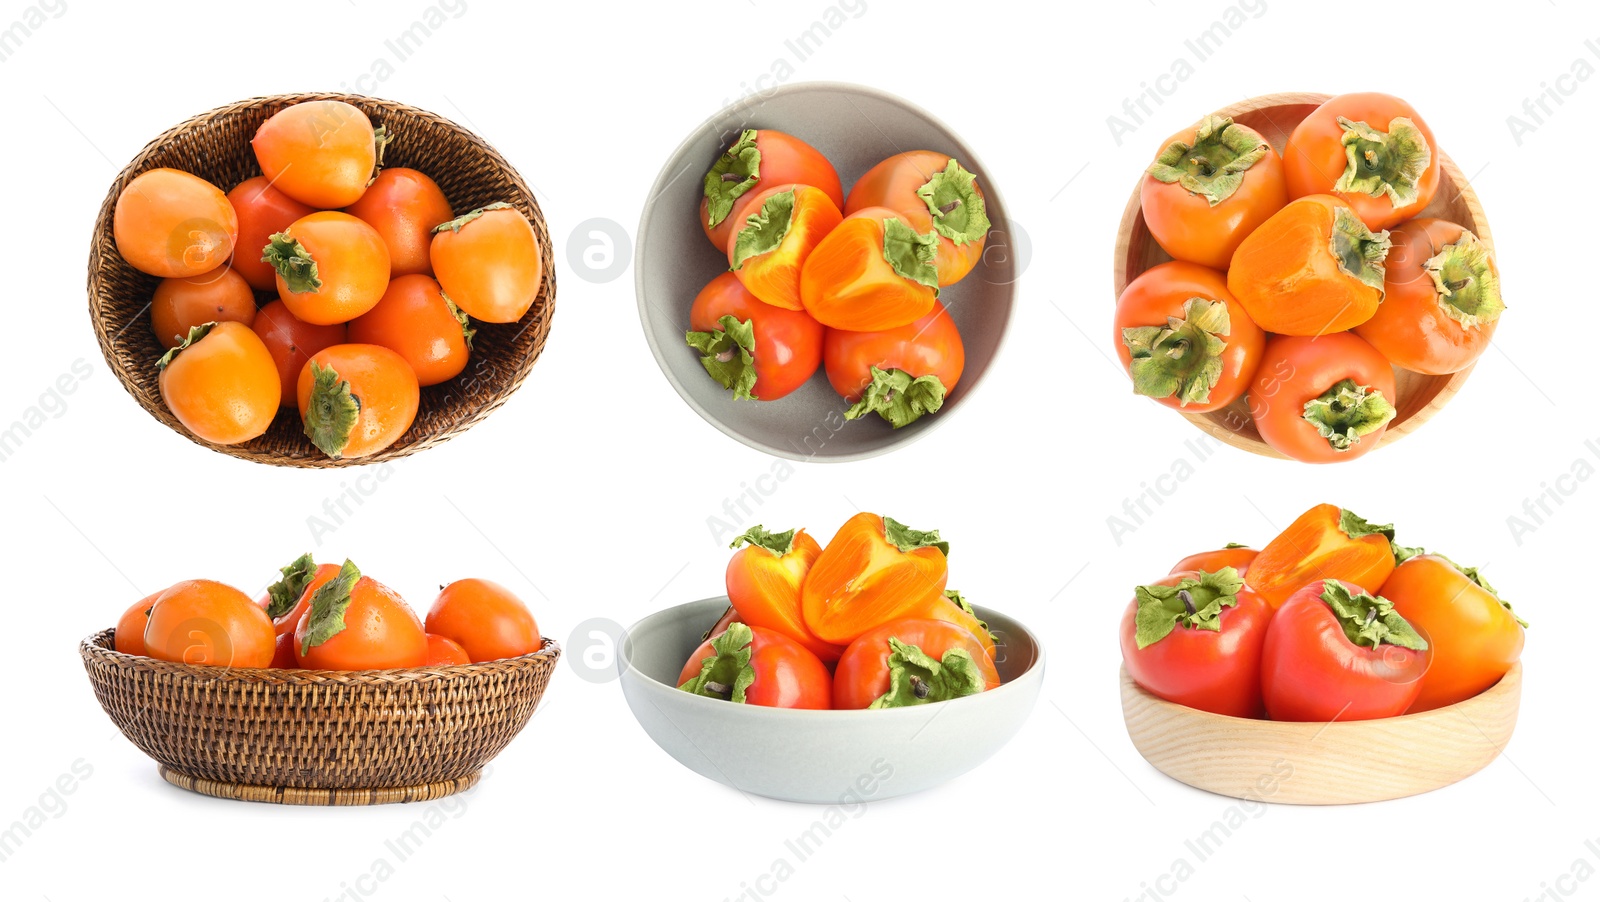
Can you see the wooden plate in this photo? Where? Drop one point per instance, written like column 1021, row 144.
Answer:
column 1322, row 763
column 1275, row 116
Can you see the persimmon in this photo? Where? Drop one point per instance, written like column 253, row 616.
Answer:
column 1212, row 184
column 320, row 152
column 221, row 383
column 768, row 250
column 129, row 635
column 932, row 191
column 201, row 621
column 874, row 570
column 954, row 608
column 357, row 399
column 331, row 266
column 1185, row 340
column 179, row 305
column 263, row 211
column 290, row 597
column 444, row 652
column 901, row 374
column 283, row 656
column 403, row 206
column 763, row 581
column 1311, row 269
column 1441, row 299
column 874, row 271
column 1325, row 542
column 908, row 662
column 172, row 224
column 417, row 321
column 1370, row 149
column 759, row 351
column 292, row 341
column 488, row 262
column 1474, row 635
column 752, row 665
column 759, row 159
column 357, row 623
column 1322, row 400
column 486, row 619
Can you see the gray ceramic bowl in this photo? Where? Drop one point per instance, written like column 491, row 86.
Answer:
column 826, row 757
column 855, row 128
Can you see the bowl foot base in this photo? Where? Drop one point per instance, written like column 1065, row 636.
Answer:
column 283, row 795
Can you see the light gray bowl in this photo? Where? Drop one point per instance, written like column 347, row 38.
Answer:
column 855, row 128
column 825, row 757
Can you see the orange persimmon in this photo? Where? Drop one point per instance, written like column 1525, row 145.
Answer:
column 764, row 579
column 403, row 206
column 221, row 383
column 770, row 247
column 129, row 635
column 873, row 571
column 332, row 267
column 757, row 159
column 356, row 399
column 932, row 191
column 1311, row 269
column 200, row 621
column 355, row 622
column 1441, row 299
column 292, row 341
column 320, row 152
column 179, row 305
column 1325, row 542
column 873, row 272
column 488, row 261
column 1370, row 149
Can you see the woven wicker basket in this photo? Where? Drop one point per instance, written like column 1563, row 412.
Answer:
column 216, row 147
column 318, row 737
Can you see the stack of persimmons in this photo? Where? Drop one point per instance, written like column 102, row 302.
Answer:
column 326, row 617
column 864, row 623
column 373, row 277
column 851, row 285
column 1318, row 301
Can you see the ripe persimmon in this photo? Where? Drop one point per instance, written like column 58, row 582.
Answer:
column 332, row 267
column 129, row 635
column 292, row 341
column 290, row 597
column 932, row 191
column 355, row 622
column 172, row 224
column 263, row 211
column 357, row 399
column 1372, row 151
column 486, row 619
column 444, row 652
column 179, row 305
column 873, row 272
column 404, row 206
column 221, row 383
column 320, row 152
column 768, row 250
column 1441, row 299
column 489, row 263
column 201, row 621
column 417, row 321
column 756, row 160
column 1311, row 269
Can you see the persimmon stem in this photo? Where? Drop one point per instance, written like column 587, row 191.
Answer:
column 1188, row 601
column 720, row 690
column 919, row 687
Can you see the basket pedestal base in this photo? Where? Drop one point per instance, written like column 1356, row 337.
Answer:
column 281, row 795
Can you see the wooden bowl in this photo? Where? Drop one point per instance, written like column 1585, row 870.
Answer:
column 1275, row 116
column 1322, row 763
column 318, row 737
column 216, row 146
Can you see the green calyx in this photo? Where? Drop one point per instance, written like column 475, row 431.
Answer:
column 917, row 679
column 764, row 231
column 195, row 334
column 1182, row 358
column 958, row 210
column 1346, row 412
column 960, row 601
column 1355, row 526
column 283, row 594
column 1383, row 163
column 1213, row 167
column 455, row 225
column 898, row 397
column 728, row 354
column 1359, row 252
column 908, row 540
column 734, row 173
column 778, row 543
column 1194, row 603
column 332, row 411
column 326, row 617
column 292, row 262
column 467, row 332
column 911, row 255
column 1467, row 282
column 726, row 674
column 1370, row 620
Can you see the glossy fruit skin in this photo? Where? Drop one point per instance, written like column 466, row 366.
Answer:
column 786, row 674
column 285, row 623
column 861, row 580
column 444, row 652
column 263, row 211
column 403, row 206
column 319, row 152
column 1189, row 228
column 292, row 341
column 283, row 656
column 893, row 183
column 1473, row 637
column 381, row 632
column 847, row 283
column 1217, row 671
column 491, row 267
column 1239, row 559
column 174, row 225
column 1310, row 671
column 199, row 621
column 385, row 384
column 1314, row 157
column 220, row 295
column 788, row 342
column 1161, row 292
column 352, row 261
column 415, row 321
column 930, row 346
column 1410, row 328
column 129, row 635
column 863, row 671
column 764, row 590
column 1295, row 370
column 486, row 619
column 1314, row 548
column 785, row 160
column 224, row 388
column 1287, row 279
column 775, row 277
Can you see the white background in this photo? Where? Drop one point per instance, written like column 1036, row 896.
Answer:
column 590, row 490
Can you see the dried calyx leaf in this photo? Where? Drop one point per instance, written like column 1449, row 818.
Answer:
column 1347, row 412
column 1214, row 166
column 917, row 679
column 285, row 593
column 1194, row 602
column 1467, row 282
column 728, row 354
column 958, row 210
column 778, row 543
column 764, row 230
column 1370, row 620
column 1381, row 163
column 897, row 396
column 1182, row 358
column 734, row 173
